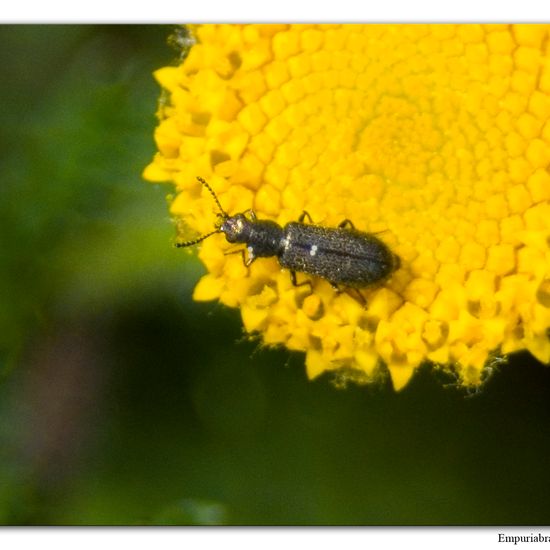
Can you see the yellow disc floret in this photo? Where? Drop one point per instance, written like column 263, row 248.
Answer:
column 436, row 137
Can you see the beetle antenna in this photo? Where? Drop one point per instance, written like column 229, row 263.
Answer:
column 224, row 213
column 196, row 241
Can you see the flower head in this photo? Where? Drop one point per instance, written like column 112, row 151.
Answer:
column 435, row 137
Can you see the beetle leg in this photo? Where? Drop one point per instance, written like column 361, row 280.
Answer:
column 234, row 251
column 241, row 251
column 293, row 278
column 251, row 214
column 303, row 283
column 347, row 223
column 303, row 216
column 336, row 287
column 354, row 293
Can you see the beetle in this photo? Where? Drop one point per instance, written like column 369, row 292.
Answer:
column 343, row 255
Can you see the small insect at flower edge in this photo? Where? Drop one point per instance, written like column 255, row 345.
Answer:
column 344, row 256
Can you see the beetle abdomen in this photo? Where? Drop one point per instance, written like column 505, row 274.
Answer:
column 343, row 256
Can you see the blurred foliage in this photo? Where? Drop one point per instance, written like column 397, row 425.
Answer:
column 123, row 402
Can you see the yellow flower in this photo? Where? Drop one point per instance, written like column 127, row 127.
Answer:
column 437, row 137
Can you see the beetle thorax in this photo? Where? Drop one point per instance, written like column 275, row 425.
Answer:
column 262, row 237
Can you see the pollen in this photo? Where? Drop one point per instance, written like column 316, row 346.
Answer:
column 434, row 137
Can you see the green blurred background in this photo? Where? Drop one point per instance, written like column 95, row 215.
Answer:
column 123, row 402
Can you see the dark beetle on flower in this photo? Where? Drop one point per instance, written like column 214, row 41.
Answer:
column 343, row 255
